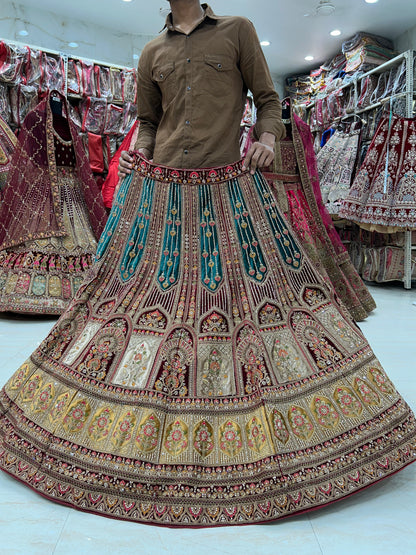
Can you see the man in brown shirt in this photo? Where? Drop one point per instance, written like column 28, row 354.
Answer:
column 192, row 85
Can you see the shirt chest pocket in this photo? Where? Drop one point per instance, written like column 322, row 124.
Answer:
column 164, row 76
column 218, row 71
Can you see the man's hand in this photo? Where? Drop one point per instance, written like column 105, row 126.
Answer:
column 260, row 154
column 125, row 163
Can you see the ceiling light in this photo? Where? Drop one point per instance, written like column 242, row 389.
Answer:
column 135, row 56
column 371, row 1
column 265, row 43
column 73, row 44
column 126, row 0
column 23, row 33
column 325, row 7
column 308, row 58
column 335, row 33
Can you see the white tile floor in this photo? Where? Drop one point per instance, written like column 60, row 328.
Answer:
column 380, row 520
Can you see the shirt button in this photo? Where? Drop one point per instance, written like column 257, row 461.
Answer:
column 185, row 151
column 188, row 60
column 187, row 122
column 219, row 66
column 161, row 75
column 188, row 88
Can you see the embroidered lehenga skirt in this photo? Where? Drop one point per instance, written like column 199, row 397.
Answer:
column 42, row 275
column 302, row 203
column 383, row 195
column 204, row 374
column 336, row 162
column 7, row 146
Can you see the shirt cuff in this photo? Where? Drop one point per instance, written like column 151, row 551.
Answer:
column 276, row 127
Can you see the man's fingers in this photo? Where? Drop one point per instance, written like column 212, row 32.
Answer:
column 258, row 156
column 125, row 164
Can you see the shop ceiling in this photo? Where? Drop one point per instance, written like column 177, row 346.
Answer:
column 294, row 28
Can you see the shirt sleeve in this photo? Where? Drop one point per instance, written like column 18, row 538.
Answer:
column 149, row 103
column 257, row 78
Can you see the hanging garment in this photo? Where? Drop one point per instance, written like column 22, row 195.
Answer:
column 383, row 195
column 336, row 162
column 7, row 147
column 51, row 215
column 111, row 182
column 204, row 374
column 95, row 153
column 296, row 182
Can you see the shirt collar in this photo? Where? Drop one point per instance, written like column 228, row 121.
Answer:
column 208, row 14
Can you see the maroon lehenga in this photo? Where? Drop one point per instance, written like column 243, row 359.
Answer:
column 51, row 216
column 205, row 374
column 383, row 195
column 7, row 147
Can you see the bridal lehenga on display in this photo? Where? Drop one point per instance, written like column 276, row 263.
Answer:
column 205, row 373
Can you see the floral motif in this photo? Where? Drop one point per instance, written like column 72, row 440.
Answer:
column 20, row 376
column 214, row 323
column 31, row 387
column 203, row 440
column 153, row 319
column 177, row 354
column 250, row 349
column 78, row 413
column 59, row 407
column 176, row 438
column 101, row 424
column 215, row 377
column 279, row 426
column 107, row 343
column 269, row 314
column 313, row 335
column 366, row 392
column 288, row 362
column 123, row 431
column 230, row 438
column 380, row 380
column 314, row 296
column 44, row 399
column 324, row 412
column 348, row 402
column 148, row 432
column 256, row 438
column 300, row 422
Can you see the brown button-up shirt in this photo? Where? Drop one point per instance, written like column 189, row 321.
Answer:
column 192, row 92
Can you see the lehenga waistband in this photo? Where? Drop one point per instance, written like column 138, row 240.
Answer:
column 285, row 177
column 186, row 175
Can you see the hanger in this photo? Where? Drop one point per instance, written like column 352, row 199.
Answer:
column 56, row 103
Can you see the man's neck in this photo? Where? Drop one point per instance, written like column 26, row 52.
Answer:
column 186, row 14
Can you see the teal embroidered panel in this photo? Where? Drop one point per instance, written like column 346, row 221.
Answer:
column 286, row 244
column 211, row 269
column 252, row 254
column 137, row 238
column 113, row 218
column 170, row 259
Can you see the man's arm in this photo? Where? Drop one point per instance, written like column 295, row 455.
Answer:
column 149, row 104
column 149, row 112
column 256, row 75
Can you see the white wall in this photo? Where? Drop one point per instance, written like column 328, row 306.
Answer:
column 406, row 41
column 54, row 32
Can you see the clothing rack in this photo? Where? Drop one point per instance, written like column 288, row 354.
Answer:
column 65, row 58
column 408, row 93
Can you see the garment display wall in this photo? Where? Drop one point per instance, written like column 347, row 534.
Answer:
column 102, row 97
column 353, row 110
